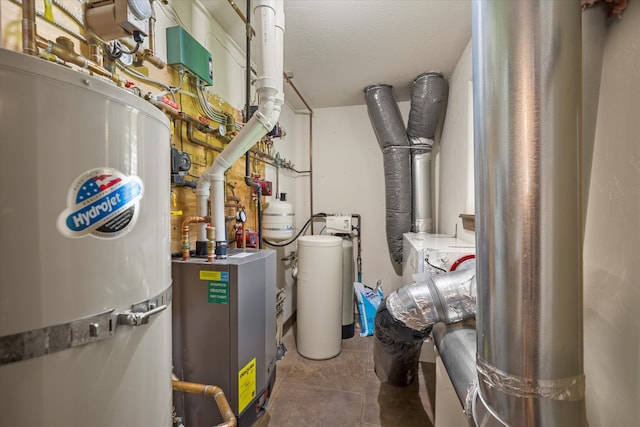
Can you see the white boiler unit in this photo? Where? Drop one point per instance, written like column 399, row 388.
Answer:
column 85, row 336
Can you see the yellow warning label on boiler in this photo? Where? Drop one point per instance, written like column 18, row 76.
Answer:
column 209, row 275
column 246, row 385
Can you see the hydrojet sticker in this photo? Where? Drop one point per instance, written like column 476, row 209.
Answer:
column 102, row 202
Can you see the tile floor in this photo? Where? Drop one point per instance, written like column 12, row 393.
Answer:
column 345, row 391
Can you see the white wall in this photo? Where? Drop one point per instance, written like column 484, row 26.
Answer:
column 455, row 192
column 348, row 178
column 612, row 239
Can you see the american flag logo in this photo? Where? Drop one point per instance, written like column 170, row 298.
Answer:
column 96, row 184
column 102, row 202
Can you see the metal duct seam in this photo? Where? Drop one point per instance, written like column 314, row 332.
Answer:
column 392, row 138
column 569, row 389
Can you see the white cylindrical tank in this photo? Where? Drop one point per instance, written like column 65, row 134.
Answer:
column 348, row 277
column 277, row 220
column 85, row 233
column 319, row 332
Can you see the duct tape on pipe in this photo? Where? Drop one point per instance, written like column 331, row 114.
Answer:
column 569, row 389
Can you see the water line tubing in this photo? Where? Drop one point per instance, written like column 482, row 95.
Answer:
column 228, row 417
column 304, row 227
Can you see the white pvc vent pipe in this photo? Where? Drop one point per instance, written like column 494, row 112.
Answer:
column 270, row 33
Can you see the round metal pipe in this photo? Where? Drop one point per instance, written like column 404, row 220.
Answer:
column 527, row 95
column 456, row 346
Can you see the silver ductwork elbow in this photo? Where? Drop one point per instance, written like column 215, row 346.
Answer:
column 392, row 138
column 405, row 318
column 447, row 298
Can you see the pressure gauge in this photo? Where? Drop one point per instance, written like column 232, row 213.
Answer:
column 222, row 129
column 241, row 216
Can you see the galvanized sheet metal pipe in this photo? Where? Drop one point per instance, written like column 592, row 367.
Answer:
column 527, row 94
column 456, row 344
column 422, row 208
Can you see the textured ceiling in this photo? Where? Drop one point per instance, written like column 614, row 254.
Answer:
column 335, row 48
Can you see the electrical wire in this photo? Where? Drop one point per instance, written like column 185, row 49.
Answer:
column 117, row 50
column 304, row 227
column 433, row 266
column 209, row 112
column 144, row 78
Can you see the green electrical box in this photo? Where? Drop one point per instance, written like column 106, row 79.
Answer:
column 182, row 49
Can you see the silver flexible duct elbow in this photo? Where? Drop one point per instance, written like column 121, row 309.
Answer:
column 405, row 318
column 446, row 298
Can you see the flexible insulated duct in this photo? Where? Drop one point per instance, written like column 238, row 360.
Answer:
column 428, row 93
column 392, row 138
column 527, row 94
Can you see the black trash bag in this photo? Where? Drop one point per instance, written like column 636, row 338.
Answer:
column 396, row 349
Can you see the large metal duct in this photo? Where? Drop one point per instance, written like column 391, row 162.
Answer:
column 428, row 93
column 527, row 93
column 392, row 137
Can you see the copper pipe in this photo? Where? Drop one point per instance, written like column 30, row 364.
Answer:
column 150, row 57
column 192, row 139
column 229, row 419
column 152, row 30
column 241, row 15
column 94, row 51
column 145, row 55
column 186, row 244
column 29, row 46
column 63, row 49
column 295, row 89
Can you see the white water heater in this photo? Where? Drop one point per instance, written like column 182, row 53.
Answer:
column 85, row 333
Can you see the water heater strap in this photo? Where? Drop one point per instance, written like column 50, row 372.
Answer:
column 96, row 327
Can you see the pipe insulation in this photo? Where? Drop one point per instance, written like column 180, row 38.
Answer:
column 392, row 138
column 428, row 93
column 405, row 318
column 527, row 115
column 269, row 86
